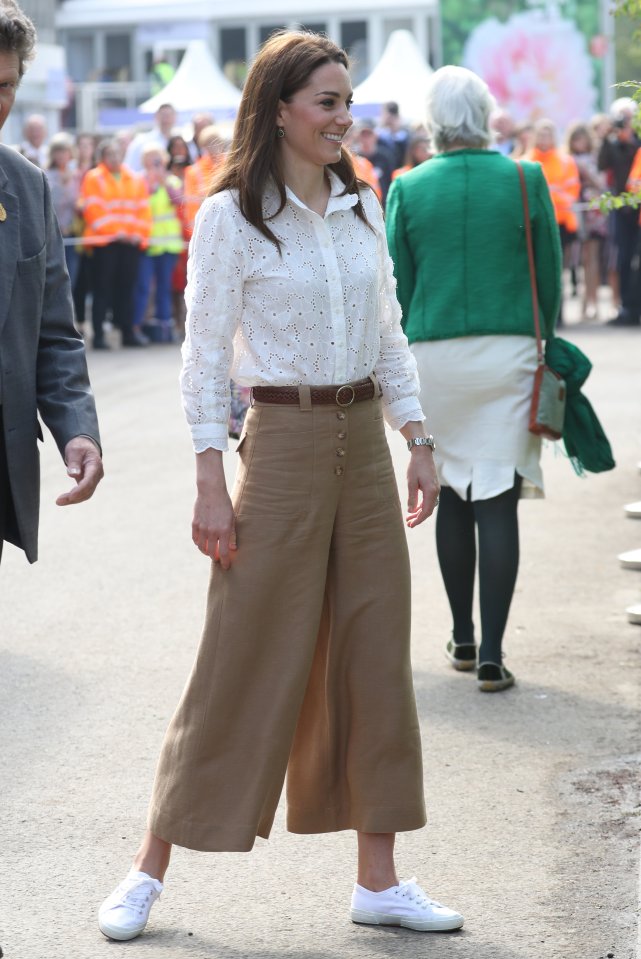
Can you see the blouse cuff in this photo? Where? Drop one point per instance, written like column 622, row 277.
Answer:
column 403, row 411
column 206, row 436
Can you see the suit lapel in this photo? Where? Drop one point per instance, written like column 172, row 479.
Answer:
column 9, row 244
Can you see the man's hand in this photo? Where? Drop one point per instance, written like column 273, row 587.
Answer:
column 85, row 466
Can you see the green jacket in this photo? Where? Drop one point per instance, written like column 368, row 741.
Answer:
column 455, row 233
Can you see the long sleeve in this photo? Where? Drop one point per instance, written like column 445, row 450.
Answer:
column 64, row 396
column 547, row 254
column 396, row 367
column 214, row 297
column 399, row 248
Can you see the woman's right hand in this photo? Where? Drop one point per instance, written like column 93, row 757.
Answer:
column 213, row 527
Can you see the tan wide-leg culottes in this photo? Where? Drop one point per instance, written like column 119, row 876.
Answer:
column 304, row 663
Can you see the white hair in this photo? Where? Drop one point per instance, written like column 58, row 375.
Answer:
column 623, row 108
column 459, row 107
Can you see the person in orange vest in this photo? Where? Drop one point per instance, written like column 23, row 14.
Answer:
column 632, row 314
column 117, row 215
column 363, row 169
column 199, row 175
column 418, row 151
column 562, row 176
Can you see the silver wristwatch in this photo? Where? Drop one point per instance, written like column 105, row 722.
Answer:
column 422, row 441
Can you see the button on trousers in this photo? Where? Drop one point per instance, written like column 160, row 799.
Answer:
column 303, row 670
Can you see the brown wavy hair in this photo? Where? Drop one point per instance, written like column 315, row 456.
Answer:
column 17, row 33
column 283, row 66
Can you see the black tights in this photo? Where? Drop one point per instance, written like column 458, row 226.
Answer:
column 498, row 538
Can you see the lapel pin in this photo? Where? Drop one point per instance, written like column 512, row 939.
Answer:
column 3, row 214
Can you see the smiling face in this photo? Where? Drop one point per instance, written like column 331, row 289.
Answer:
column 316, row 118
column 9, row 80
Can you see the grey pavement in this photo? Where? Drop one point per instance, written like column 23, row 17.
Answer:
column 533, row 795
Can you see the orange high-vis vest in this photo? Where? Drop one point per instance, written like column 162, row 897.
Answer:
column 198, row 179
column 562, row 176
column 364, row 170
column 114, row 204
column 634, row 179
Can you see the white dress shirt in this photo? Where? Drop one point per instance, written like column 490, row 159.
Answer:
column 324, row 311
column 133, row 153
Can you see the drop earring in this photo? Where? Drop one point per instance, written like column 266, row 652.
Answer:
column 280, row 133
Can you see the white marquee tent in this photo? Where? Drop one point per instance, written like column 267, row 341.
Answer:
column 401, row 74
column 198, row 84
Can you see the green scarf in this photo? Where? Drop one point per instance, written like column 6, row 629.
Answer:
column 585, row 442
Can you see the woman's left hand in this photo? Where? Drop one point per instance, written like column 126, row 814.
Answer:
column 421, row 476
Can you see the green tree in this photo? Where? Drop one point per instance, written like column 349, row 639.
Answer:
column 627, row 40
column 628, row 37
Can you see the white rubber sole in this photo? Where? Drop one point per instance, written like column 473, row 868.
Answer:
column 460, row 665
column 631, row 559
column 634, row 614
column 633, row 510
column 427, row 925
column 111, row 932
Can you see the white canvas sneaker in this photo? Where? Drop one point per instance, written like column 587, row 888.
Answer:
column 124, row 914
column 403, row 905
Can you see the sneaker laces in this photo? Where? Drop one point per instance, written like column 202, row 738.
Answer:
column 139, row 894
column 411, row 890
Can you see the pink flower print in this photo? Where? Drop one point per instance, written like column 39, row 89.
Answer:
column 535, row 65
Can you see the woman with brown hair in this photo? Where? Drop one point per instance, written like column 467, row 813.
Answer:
column 303, row 667
column 593, row 224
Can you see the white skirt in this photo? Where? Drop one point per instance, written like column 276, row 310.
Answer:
column 476, row 393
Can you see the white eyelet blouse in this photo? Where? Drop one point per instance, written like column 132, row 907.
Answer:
column 323, row 312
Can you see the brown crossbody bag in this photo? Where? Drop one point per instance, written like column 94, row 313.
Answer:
column 547, row 410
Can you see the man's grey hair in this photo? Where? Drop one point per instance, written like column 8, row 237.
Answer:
column 17, row 33
column 459, row 107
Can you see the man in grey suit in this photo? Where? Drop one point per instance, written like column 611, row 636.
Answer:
column 42, row 360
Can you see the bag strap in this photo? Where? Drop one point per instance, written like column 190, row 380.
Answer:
column 530, row 256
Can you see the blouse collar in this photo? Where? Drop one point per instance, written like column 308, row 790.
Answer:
column 338, row 200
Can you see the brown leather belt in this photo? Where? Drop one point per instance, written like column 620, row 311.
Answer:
column 337, row 395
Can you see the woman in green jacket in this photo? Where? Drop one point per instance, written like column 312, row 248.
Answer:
column 456, row 234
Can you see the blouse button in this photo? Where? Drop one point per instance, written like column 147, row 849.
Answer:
column 340, row 415
column 340, row 451
column 341, row 435
column 339, row 470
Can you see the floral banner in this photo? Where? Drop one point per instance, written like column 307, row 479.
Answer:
column 540, row 59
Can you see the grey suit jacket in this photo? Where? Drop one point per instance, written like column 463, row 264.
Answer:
column 43, row 367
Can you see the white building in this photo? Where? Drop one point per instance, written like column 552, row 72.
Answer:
column 43, row 89
column 116, row 40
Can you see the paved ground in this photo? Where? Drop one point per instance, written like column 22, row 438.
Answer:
column 533, row 795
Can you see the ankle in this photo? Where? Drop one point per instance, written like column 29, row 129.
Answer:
column 153, row 857
column 150, row 867
column 377, row 882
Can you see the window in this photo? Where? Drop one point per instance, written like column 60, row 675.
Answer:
column 81, row 61
column 118, row 56
column 264, row 33
column 233, row 54
column 233, row 44
column 354, row 40
column 313, row 27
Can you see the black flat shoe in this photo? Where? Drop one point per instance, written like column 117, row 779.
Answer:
column 492, row 678
column 461, row 655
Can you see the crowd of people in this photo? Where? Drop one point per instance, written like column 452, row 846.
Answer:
column 127, row 204
column 339, row 321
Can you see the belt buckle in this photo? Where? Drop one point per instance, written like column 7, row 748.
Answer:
column 346, row 386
